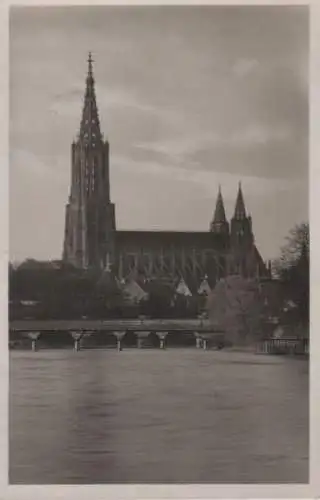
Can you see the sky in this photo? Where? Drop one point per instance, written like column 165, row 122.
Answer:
column 189, row 97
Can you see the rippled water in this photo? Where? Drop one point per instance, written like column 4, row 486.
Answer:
column 180, row 415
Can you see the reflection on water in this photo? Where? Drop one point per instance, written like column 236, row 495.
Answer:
column 181, row 415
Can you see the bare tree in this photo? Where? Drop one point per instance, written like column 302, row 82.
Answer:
column 293, row 269
column 297, row 242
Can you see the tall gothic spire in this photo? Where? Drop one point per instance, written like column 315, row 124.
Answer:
column 90, row 132
column 219, row 213
column 240, row 210
column 90, row 216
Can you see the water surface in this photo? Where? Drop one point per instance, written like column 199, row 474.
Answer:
column 146, row 416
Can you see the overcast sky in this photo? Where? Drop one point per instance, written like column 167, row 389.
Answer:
column 189, row 98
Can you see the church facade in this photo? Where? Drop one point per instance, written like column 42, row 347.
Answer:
column 92, row 239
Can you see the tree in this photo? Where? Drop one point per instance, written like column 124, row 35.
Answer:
column 292, row 268
column 297, row 242
column 238, row 305
column 107, row 297
column 158, row 303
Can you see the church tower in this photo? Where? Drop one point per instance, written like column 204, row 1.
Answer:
column 241, row 224
column 90, row 216
column 219, row 222
column 242, row 246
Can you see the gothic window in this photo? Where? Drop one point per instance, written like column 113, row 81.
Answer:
column 87, row 176
column 92, row 180
column 94, row 173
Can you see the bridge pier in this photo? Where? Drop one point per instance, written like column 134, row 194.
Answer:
column 33, row 336
column 206, row 339
column 141, row 336
column 119, row 336
column 77, row 338
column 162, row 337
column 198, row 340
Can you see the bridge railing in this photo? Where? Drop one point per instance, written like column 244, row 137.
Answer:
column 105, row 324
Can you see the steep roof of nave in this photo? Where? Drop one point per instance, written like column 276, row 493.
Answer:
column 196, row 239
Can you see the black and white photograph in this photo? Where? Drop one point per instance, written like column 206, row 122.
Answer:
column 158, row 274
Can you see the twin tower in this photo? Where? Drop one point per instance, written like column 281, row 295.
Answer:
column 92, row 240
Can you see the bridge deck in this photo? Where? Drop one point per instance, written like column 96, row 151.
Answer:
column 194, row 325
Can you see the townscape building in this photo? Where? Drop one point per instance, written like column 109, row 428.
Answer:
column 92, row 239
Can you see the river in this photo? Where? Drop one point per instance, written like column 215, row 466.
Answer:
column 153, row 416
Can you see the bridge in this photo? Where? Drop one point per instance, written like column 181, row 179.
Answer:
column 79, row 329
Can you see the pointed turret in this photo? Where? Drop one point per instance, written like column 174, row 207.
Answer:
column 90, row 132
column 219, row 223
column 219, row 213
column 204, row 288
column 240, row 210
